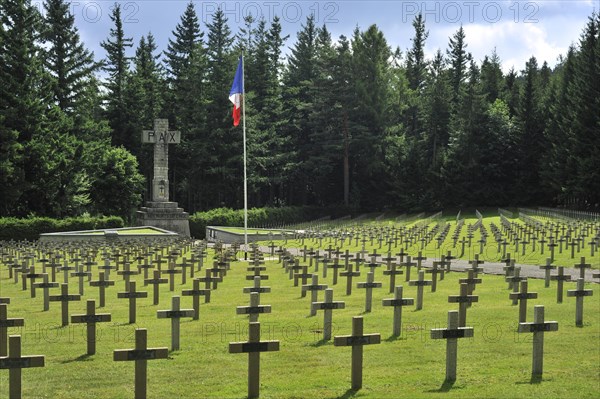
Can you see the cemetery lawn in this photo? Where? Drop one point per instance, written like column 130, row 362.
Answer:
column 239, row 230
column 495, row 363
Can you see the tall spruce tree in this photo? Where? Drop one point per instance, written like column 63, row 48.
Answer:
column 183, row 49
column 371, row 75
column 532, row 142
column 70, row 64
column 225, row 169
column 298, row 78
column 584, row 186
column 117, row 66
column 22, row 98
column 458, row 60
column 416, row 72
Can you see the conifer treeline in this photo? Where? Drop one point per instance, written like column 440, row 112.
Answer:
column 352, row 121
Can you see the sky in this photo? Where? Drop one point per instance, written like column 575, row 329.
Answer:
column 516, row 29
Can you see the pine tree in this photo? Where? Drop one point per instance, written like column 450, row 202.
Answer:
column 492, row 78
column 298, row 78
column 149, row 75
column 117, row 66
column 512, row 92
column 68, row 61
column 558, row 164
column 224, row 172
column 416, row 72
column 22, row 98
column 416, row 65
column 436, row 113
column 458, row 59
column 531, row 143
column 184, row 53
column 371, row 76
column 584, row 185
column 324, row 153
column 463, row 174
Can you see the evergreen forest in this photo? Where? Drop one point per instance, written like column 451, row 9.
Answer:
column 346, row 121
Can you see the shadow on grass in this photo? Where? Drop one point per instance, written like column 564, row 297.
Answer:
column 82, row 358
column 320, row 343
column 394, row 337
column 350, row 393
column 446, row 386
column 535, row 379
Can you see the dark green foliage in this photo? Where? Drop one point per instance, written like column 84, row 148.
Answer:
column 31, row 228
column 346, row 121
column 70, row 64
column 117, row 65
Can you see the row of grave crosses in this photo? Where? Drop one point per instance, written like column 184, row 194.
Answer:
column 456, row 320
column 528, row 238
column 10, row 357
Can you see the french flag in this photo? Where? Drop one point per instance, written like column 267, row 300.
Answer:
column 237, row 90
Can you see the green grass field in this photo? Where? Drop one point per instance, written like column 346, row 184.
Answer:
column 131, row 231
column 240, row 230
column 495, row 363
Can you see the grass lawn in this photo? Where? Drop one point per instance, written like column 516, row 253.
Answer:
column 495, row 363
column 133, row 231
column 240, row 230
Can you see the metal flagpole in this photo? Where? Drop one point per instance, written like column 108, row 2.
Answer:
column 245, row 176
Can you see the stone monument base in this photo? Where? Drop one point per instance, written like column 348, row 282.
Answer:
column 165, row 215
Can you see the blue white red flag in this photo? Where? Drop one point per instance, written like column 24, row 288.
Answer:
column 235, row 95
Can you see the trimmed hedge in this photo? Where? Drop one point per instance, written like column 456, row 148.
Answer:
column 259, row 217
column 31, row 228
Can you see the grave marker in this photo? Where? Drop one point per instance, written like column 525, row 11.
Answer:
column 451, row 335
column 397, row 302
column 64, row 298
column 81, row 275
column 45, row 285
column 253, row 347
column 171, row 271
column 560, row 279
column 175, row 314
column 349, row 274
column 327, row 306
column 91, row 318
column 368, row 286
column 32, row 275
column 515, row 279
column 102, row 283
column 196, row 293
column 314, row 289
column 357, row 340
column 254, row 309
column 408, row 265
column 132, row 295
column 156, row 281
column 579, row 293
column 392, row 272
column 14, row 362
column 5, row 323
column 547, row 268
column 522, row 297
column 582, row 266
column 538, row 327
column 420, row 283
column 141, row 354
column 464, row 300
